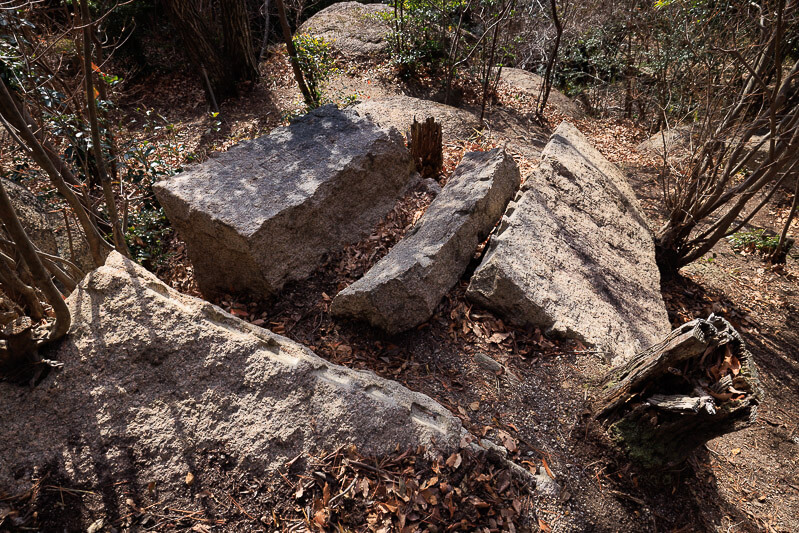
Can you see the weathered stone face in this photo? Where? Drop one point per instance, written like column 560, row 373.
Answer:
column 529, row 83
column 519, row 134
column 399, row 112
column 151, row 378
column 33, row 216
column 47, row 230
column 574, row 254
column 267, row 210
column 354, row 30
column 403, row 289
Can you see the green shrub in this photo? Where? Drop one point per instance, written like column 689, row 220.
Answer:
column 316, row 63
column 418, row 37
column 757, row 241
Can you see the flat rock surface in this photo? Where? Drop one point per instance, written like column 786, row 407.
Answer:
column 355, row 30
column 267, row 210
column 676, row 143
column 403, row 289
column 574, row 254
column 153, row 378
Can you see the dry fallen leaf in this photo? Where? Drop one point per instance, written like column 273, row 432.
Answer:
column 507, row 440
column 454, row 461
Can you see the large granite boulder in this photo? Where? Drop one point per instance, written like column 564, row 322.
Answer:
column 154, row 380
column 520, row 134
column 354, row 30
column 399, row 112
column 47, row 230
column 266, row 211
column 403, row 289
column 574, row 254
column 32, row 214
column 675, row 143
column 529, row 84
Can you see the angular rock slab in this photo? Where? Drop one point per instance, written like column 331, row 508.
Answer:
column 267, row 210
column 151, row 378
column 403, row 289
column 354, row 30
column 574, row 254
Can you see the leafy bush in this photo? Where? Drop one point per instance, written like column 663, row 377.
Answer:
column 143, row 162
column 756, row 241
column 146, row 234
column 316, row 63
column 422, row 32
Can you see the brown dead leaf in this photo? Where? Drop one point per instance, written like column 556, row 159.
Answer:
column 507, row 440
column 387, row 508
column 320, row 518
column 546, row 467
column 454, row 461
column 326, row 494
column 498, row 338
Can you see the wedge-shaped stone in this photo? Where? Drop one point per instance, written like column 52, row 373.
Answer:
column 574, row 254
column 403, row 289
column 154, row 380
column 267, row 210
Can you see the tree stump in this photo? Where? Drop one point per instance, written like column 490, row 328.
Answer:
column 699, row 383
column 426, row 147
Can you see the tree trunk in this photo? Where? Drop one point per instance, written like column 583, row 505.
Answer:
column 426, row 147
column 219, row 45
column 28, row 141
column 310, row 101
column 97, row 146
column 784, row 244
column 697, row 384
column 40, row 275
column 237, row 40
column 546, row 85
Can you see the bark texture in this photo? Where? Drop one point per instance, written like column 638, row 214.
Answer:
column 218, row 41
column 426, row 147
column 697, row 384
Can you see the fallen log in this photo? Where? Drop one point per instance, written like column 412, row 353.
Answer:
column 699, row 383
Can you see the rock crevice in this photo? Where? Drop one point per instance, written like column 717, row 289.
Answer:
column 403, row 289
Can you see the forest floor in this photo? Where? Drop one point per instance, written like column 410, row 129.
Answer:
column 533, row 402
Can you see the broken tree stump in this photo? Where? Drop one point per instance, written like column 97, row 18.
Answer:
column 699, row 383
column 426, row 147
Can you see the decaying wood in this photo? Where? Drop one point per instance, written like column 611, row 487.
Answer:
column 699, row 383
column 426, row 147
